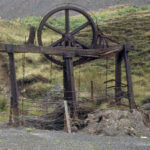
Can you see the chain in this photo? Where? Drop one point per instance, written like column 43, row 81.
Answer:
column 51, row 73
column 106, row 76
column 23, row 85
column 79, row 80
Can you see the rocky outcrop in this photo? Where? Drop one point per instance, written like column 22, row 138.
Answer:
column 117, row 122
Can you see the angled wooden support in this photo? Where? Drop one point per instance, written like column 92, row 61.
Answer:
column 130, row 92
column 14, row 94
column 118, row 73
column 31, row 37
column 69, row 85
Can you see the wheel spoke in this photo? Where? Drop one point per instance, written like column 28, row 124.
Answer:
column 54, row 60
column 80, row 28
column 81, row 44
column 57, row 42
column 83, row 60
column 54, row 29
column 67, row 24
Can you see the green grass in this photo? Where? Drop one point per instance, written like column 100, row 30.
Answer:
column 12, row 32
column 4, row 110
column 135, row 27
column 122, row 22
column 3, row 103
column 4, row 116
column 103, row 15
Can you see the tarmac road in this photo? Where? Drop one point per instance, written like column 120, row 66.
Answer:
column 22, row 139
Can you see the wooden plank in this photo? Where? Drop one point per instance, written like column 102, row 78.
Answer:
column 128, row 77
column 69, row 85
column 118, row 74
column 61, row 51
column 84, row 59
column 14, row 91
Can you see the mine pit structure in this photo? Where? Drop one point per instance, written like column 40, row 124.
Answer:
column 68, row 48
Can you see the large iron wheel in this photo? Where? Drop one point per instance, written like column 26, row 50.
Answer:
column 68, row 36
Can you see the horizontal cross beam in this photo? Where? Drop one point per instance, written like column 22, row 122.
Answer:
column 61, row 51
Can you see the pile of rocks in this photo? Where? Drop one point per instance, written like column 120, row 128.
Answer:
column 146, row 106
column 117, row 122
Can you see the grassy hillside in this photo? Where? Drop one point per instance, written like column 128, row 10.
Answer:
column 21, row 8
column 123, row 22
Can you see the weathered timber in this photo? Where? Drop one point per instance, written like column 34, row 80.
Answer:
column 60, row 51
column 84, row 60
column 69, row 85
column 118, row 90
column 14, row 94
column 128, row 76
column 31, row 38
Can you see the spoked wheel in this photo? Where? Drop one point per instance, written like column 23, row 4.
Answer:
column 69, row 36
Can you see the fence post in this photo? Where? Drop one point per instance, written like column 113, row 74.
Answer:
column 92, row 90
column 67, row 117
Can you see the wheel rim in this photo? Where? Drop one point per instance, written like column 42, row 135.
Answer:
column 67, row 36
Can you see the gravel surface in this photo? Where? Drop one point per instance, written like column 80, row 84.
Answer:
column 22, row 139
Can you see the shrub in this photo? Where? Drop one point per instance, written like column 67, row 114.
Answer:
column 3, row 103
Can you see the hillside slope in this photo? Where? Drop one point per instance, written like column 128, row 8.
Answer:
column 20, row 8
column 122, row 22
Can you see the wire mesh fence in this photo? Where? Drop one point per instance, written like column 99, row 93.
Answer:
column 47, row 108
column 48, row 112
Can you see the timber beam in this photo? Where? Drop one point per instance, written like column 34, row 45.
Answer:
column 61, row 51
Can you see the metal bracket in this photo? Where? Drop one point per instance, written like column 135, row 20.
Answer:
column 9, row 48
column 67, row 56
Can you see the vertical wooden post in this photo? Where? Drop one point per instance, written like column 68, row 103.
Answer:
column 92, row 90
column 128, row 76
column 69, row 86
column 14, row 94
column 32, row 34
column 118, row 74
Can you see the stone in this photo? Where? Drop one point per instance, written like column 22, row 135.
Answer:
column 146, row 100
column 146, row 106
column 116, row 122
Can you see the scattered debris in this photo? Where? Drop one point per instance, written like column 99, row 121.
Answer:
column 117, row 122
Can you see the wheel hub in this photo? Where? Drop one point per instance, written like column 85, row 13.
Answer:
column 68, row 37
